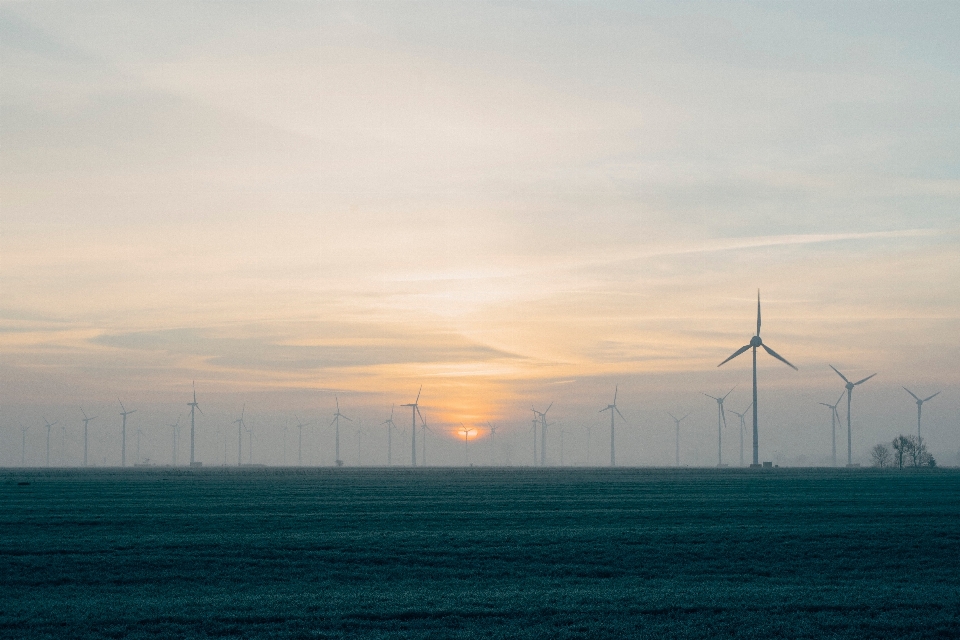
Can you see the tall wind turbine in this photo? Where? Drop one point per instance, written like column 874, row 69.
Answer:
column 240, row 425
column 336, row 421
column 415, row 410
column 755, row 342
column 193, row 407
column 611, row 408
column 49, row 426
column 721, row 422
column 390, row 427
column 849, row 386
column 834, row 419
column 742, row 427
column 677, row 422
column 493, row 452
column 300, row 426
column 176, row 429
column 920, row 405
column 466, row 439
column 86, row 421
column 543, row 433
column 123, row 437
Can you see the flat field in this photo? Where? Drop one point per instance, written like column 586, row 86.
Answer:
column 491, row 553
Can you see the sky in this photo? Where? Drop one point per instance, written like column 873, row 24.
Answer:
column 511, row 204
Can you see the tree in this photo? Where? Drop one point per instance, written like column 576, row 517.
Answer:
column 902, row 445
column 880, row 455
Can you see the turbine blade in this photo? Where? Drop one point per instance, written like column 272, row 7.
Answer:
column 778, row 356
column 840, row 374
column 864, row 380
column 758, row 311
column 735, row 354
column 912, row 393
column 933, row 396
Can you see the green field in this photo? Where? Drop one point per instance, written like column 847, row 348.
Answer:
column 480, row 553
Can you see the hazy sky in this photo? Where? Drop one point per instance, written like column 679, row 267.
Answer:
column 509, row 203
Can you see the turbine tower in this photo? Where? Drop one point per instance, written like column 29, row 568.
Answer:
column 414, row 410
column 86, row 421
column 240, row 425
column 742, row 427
column 542, row 417
column 466, row 439
column 721, row 422
column 920, row 405
column 611, row 408
column 390, row 427
column 834, row 419
column 336, row 421
column 193, row 407
column 49, row 426
column 300, row 426
column 755, row 342
column 677, row 422
column 850, row 386
column 123, row 437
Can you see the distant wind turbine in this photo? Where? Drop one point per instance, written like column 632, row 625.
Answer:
column 86, row 421
column 543, row 433
column 721, row 422
column 742, row 427
column 611, row 408
column 677, row 422
column 336, row 421
column 834, row 419
column 755, row 342
column 920, row 405
column 300, row 426
column 466, row 439
column 240, row 425
column 390, row 427
column 123, row 436
column 193, row 407
column 49, row 426
column 849, row 386
column 415, row 410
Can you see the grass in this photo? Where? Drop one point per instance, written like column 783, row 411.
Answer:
column 490, row 553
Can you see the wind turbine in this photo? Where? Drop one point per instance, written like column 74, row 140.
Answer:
column 677, row 422
column 390, row 427
column 176, row 428
column 755, row 342
column 23, row 445
column 123, row 437
column 721, row 422
column 336, row 420
column 493, row 452
column 414, row 410
column 834, row 419
column 742, row 427
column 193, row 407
column 850, row 386
column 86, row 421
column 49, row 426
column 300, row 426
column 466, row 439
column 611, row 408
column 920, row 405
column 543, row 433
column 240, row 425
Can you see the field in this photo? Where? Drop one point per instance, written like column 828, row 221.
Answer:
column 511, row 553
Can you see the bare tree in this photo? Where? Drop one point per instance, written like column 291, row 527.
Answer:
column 880, row 455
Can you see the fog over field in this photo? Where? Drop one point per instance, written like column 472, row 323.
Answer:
column 510, row 205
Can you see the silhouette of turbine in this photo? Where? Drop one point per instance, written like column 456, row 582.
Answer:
column 755, row 342
column 834, row 419
column 849, row 386
column 123, row 437
column 721, row 422
column 415, row 410
column 611, row 408
column 336, row 421
column 920, row 405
